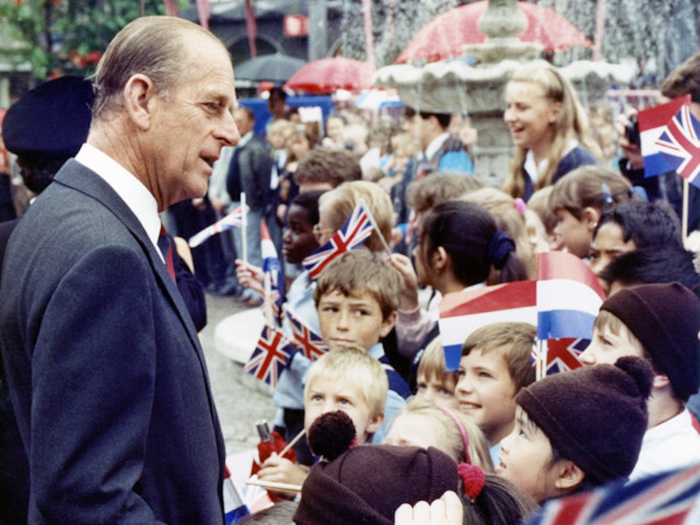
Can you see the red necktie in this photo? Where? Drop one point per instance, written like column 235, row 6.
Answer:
column 165, row 243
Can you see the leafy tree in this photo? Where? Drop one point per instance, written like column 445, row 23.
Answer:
column 66, row 36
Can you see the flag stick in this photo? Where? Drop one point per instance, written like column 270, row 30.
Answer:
column 244, row 227
column 376, row 228
column 541, row 360
column 292, row 442
column 267, row 299
column 273, row 485
column 686, row 191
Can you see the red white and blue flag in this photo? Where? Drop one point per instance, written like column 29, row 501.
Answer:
column 256, row 498
column 652, row 124
column 271, row 265
column 305, row 339
column 234, row 507
column 671, row 498
column 463, row 312
column 680, row 145
column 568, row 296
column 232, row 220
column 354, row 233
column 270, row 356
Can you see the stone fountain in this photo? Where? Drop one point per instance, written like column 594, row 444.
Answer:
column 454, row 86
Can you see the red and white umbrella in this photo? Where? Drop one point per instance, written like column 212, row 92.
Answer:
column 443, row 37
column 331, row 74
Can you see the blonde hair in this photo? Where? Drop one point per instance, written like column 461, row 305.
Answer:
column 356, row 367
column 432, row 365
column 428, row 192
column 443, row 419
column 571, row 124
column 360, row 270
column 583, row 188
column 501, row 206
column 336, row 206
column 511, row 340
column 539, row 203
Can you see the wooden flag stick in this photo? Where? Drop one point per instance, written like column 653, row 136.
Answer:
column 376, row 228
column 244, row 227
column 274, row 485
column 292, row 442
column 686, row 191
column 267, row 298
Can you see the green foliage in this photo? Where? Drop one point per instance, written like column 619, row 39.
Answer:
column 65, row 35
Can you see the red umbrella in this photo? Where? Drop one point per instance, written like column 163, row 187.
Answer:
column 331, row 74
column 445, row 35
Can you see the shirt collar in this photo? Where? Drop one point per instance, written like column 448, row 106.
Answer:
column 130, row 189
column 435, row 145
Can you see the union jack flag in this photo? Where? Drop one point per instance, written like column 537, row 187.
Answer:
column 680, row 146
column 305, row 339
column 271, row 265
column 232, row 220
column 270, row 356
column 671, row 498
column 562, row 354
column 354, row 233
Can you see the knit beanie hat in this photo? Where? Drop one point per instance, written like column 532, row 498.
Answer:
column 367, row 484
column 666, row 320
column 594, row 416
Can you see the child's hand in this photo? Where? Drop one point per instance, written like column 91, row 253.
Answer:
column 249, row 276
column 281, row 470
column 447, row 510
column 409, row 290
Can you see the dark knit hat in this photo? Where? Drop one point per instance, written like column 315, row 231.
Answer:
column 594, row 416
column 666, row 320
column 51, row 121
column 368, row 483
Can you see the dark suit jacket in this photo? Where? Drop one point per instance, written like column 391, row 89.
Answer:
column 106, row 373
column 253, row 166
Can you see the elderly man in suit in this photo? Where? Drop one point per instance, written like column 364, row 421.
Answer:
column 105, row 370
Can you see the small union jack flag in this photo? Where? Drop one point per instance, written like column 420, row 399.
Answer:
column 230, row 221
column 305, row 339
column 562, row 354
column 270, row 356
column 271, row 265
column 671, row 498
column 354, row 233
column 680, row 145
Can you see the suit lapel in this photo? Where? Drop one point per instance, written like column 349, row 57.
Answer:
column 86, row 181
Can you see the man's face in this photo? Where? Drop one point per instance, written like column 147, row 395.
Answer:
column 243, row 122
column 188, row 128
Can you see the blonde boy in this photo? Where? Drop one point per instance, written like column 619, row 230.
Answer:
column 434, row 384
column 356, row 298
column 495, row 365
column 660, row 323
column 347, row 379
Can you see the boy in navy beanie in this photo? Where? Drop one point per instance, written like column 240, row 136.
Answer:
column 577, row 430
column 659, row 322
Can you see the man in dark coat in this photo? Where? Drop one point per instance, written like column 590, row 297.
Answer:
column 106, row 373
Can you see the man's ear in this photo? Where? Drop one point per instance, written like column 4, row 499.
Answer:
column 139, row 99
column 388, row 324
column 590, row 217
column 569, row 475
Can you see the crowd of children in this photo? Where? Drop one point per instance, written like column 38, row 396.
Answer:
column 487, row 435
